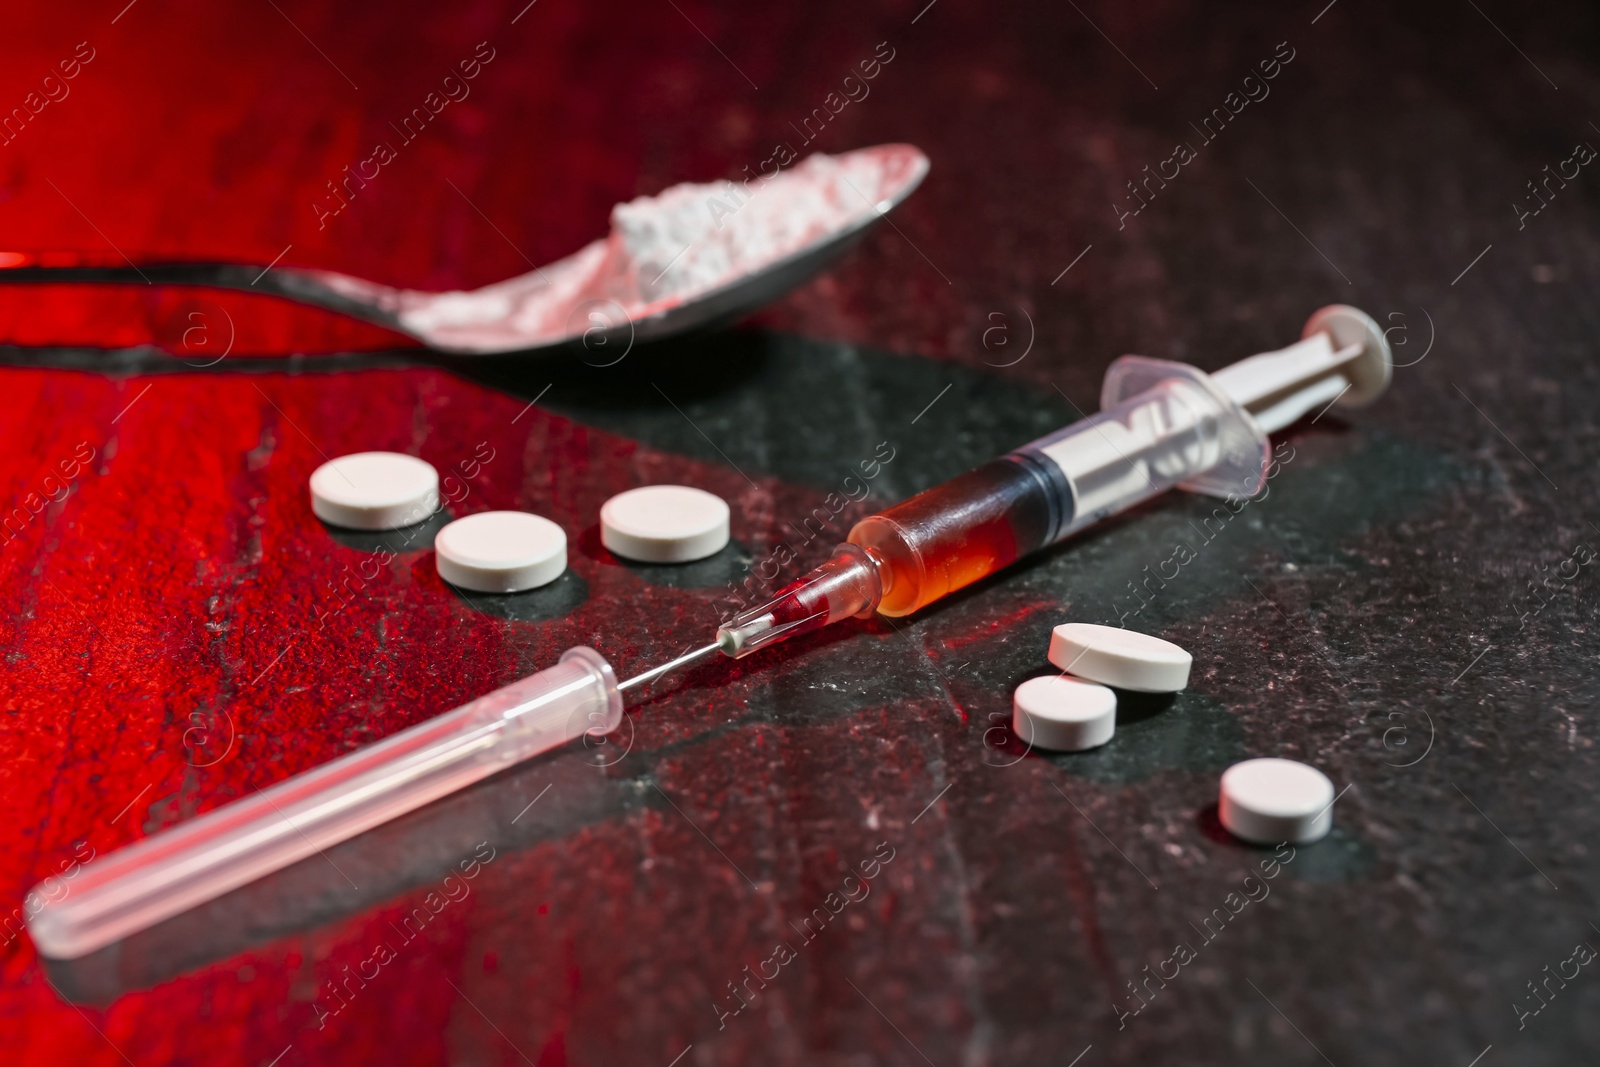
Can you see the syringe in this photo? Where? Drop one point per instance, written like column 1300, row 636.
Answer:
column 1162, row 424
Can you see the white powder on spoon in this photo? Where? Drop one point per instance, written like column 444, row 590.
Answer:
column 692, row 238
column 663, row 250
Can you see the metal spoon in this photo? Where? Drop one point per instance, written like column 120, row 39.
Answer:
column 487, row 320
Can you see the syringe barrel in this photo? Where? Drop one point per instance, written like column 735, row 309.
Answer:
column 1176, row 429
column 176, row 869
column 955, row 533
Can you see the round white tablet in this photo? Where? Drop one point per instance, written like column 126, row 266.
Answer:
column 1269, row 801
column 1063, row 714
column 1123, row 658
column 500, row 552
column 374, row 491
column 664, row 524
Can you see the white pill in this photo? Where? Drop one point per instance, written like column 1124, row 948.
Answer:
column 1063, row 714
column 664, row 524
column 374, row 491
column 1269, row 801
column 500, row 552
column 1123, row 658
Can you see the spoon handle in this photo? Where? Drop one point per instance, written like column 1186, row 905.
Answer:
column 323, row 289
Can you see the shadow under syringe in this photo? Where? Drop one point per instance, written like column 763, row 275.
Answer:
column 545, row 799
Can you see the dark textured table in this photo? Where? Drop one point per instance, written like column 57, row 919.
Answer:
column 1411, row 606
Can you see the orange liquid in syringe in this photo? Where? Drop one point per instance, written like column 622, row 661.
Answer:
column 963, row 530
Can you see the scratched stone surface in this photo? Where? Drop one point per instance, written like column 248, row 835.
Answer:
column 832, row 853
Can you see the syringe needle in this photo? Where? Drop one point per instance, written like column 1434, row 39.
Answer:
column 229, row 846
column 655, row 672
